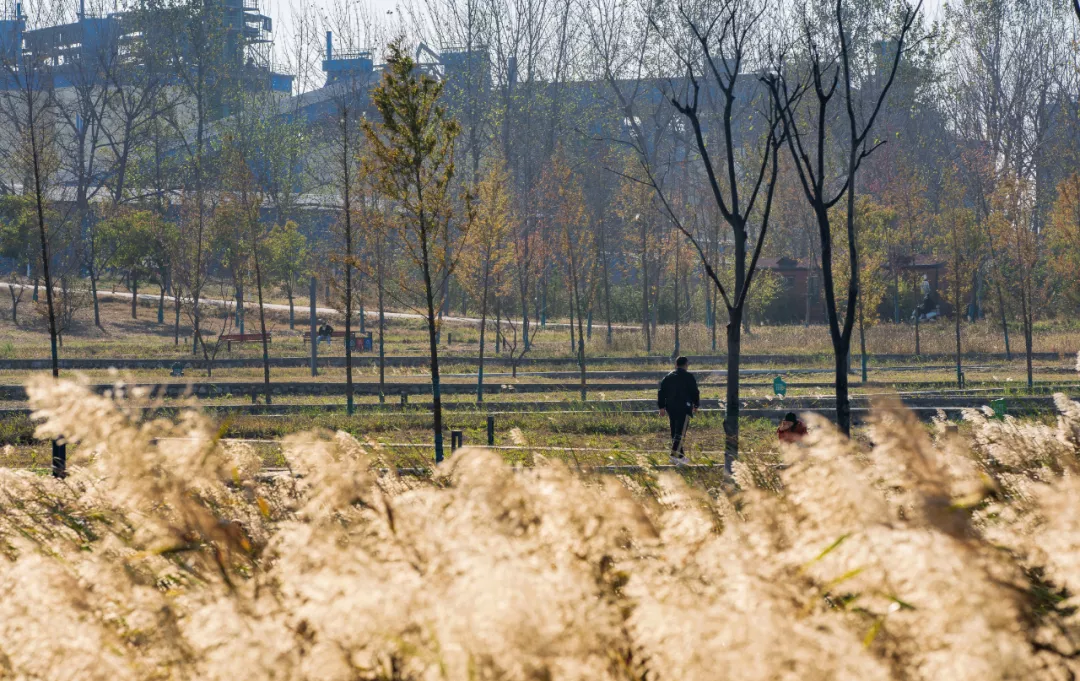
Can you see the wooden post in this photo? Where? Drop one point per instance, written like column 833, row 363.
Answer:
column 314, row 340
column 456, row 439
column 59, row 458
column 491, row 430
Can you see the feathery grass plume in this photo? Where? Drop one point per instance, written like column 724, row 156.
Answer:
column 165, row 554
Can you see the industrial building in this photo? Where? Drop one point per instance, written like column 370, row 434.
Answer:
column 74, row 53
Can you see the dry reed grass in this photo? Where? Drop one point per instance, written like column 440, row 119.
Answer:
column 925, row 557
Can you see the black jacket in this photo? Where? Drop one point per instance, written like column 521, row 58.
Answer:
column 678, row 392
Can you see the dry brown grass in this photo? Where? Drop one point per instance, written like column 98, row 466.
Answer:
column 926, row 557
column 122, row 336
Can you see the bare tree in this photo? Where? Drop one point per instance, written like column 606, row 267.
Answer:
column 712, row 43
column 31, row 111
column 1004, row 86
column 832, row 76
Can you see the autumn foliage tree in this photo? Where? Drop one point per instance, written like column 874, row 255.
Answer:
column 872, row 222
column 1018, row 262
column 960, row 236
column 569, row 222
column 1064, row 240
column 488, row 253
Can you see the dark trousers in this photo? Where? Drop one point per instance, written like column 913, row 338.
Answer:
column 677, row 420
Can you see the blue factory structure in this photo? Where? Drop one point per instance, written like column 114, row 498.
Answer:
column 70, row 52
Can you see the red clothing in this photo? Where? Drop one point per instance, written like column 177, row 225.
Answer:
column 792, row 433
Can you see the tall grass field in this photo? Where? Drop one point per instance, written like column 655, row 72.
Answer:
column 167, row 555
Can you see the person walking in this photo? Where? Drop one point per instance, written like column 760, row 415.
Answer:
column 678, row 398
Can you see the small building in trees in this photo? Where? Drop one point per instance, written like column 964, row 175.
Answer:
column 800, row 299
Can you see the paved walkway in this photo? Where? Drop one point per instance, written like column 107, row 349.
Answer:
column 249, row 305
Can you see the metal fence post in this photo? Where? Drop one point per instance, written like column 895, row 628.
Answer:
column 59, row 458
column 404, row 400
column 456, row 440
column 491, row 430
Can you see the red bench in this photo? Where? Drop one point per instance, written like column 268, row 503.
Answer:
column 231, row 338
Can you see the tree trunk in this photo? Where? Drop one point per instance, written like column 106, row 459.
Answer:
column 262, row 322
column 483, row 330
column 134, row 297
column 581, row 360
column 956, row 318
column 94, row 295
column 161, row 304
column 1028, row 319
column 176, row 323
column 676, row 300
column 43, row 236
column 361, row 316
column 731, row 403
column 240, row 305
column 573, row 344
column 843, row 403
column 1004, row 321
column 382, row 325
column 607, row 283
column 543, row 300
column 14, row 304
column 809, row 282
column 862, row 339
column 713, row 303
column 292, row 310
column 645, row 290
column 346, row 166
column 896, row 294
column 433, row 343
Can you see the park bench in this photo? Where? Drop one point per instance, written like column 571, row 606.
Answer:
column 231, row 338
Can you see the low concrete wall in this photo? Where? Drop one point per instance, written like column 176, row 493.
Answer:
column 860, row 411
column 368, row 360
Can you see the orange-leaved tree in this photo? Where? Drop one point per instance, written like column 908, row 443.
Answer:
column 489, row 251
column 1064, row 239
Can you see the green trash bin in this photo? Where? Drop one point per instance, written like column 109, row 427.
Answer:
column 1000, row 408
column 779, row 387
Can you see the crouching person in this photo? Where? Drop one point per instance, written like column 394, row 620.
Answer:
column 791, row 429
